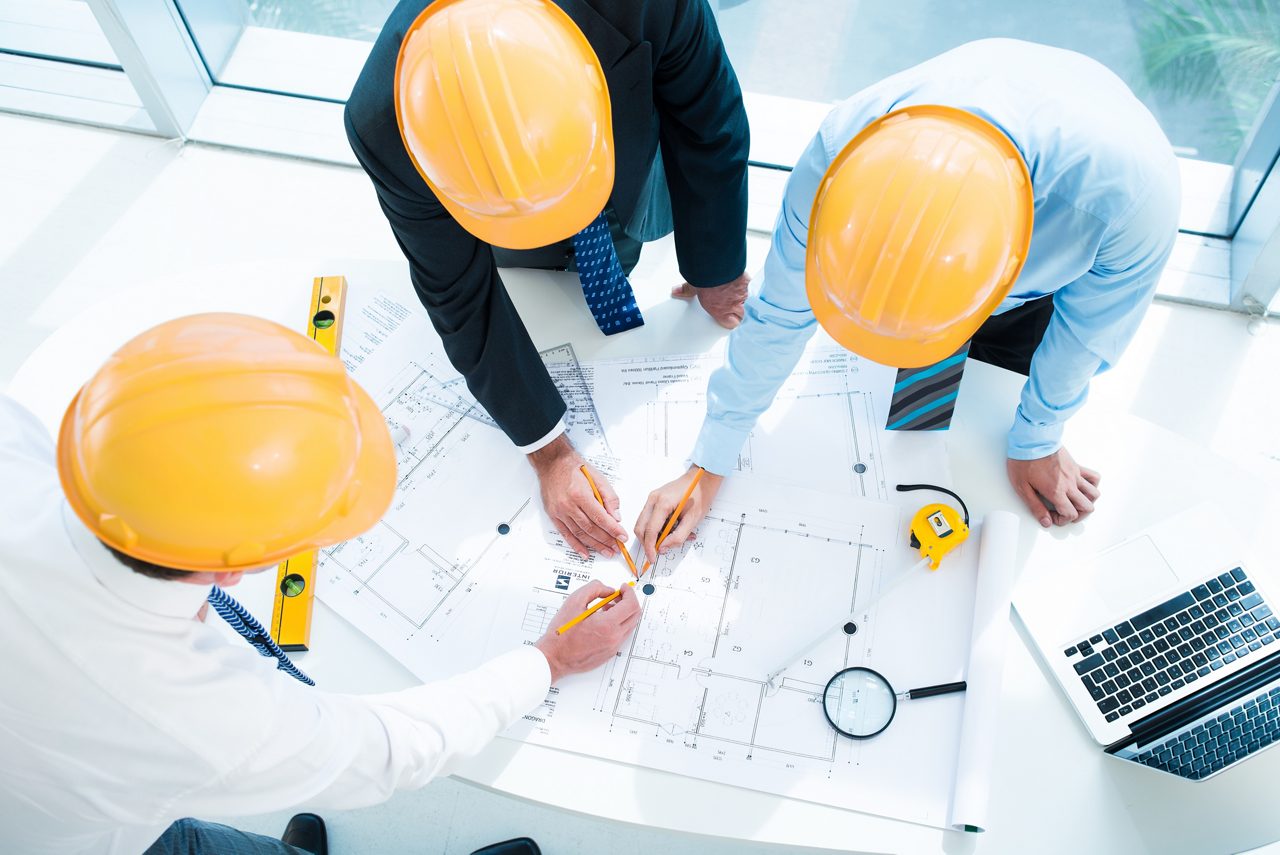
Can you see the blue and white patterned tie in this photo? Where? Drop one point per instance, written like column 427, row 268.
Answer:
column 608, row 293
column 247, row 625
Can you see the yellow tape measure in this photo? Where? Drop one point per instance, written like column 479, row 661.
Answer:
column 295, row 577
column 937, row 529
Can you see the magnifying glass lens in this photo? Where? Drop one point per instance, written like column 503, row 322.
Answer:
column 859, row 702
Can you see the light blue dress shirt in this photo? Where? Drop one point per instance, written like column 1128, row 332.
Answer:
column 1106, row 189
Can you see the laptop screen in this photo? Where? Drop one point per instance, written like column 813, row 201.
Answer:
column 1206, row 732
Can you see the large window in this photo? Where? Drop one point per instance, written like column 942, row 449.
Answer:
column 54, row 29
column 273, row 75
column 312, row 48
column 55, row 60
column 1203, row 67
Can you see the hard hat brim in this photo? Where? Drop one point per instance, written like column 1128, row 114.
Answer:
column 376, row 461
column 553, row 224
column 888, row 350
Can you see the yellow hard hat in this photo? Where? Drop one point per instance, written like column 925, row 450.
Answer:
column 504, row 110
column 918, row 231
column 224, row 442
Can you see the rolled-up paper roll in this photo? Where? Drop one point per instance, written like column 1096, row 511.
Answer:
column 997, row 554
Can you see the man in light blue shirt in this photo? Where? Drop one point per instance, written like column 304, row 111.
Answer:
column 1105, row 191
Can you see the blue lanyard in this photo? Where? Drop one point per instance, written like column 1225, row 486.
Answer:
column 247, row 625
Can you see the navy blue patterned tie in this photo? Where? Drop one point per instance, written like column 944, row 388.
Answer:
column 608, row 293
column 247, row 625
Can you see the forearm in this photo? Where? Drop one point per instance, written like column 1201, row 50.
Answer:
column 436, row 726
column 1094, row 320
column 552, row 453
column 778, row 322
column 341, row 752
column 761, row 355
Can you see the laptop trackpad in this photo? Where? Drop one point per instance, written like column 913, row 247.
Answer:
column 1131, row 573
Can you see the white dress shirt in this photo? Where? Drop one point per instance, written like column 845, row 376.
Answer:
column 120, row 712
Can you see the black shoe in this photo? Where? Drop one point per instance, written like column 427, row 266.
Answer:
column 306, row 831
column 519, row 846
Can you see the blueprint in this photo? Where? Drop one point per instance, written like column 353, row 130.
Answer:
column 688, row 693
column 408, row 581
column 821, row 431
column 466, row 565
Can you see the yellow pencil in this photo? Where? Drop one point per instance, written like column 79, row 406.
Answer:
column 675, row 515
column 661, row 537
column 589, row 612
column 625, row 554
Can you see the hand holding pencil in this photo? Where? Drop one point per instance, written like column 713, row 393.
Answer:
column 597, row 640
column 605, row 600
column 696, row 474
column 673, row 511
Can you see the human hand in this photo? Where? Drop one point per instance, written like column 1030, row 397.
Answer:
column 724, row 302
column 662, row 503
column 572, row 505
column 1055, row 488
column 593, row 642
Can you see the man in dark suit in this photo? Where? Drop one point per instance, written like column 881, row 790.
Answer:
column 667, row 151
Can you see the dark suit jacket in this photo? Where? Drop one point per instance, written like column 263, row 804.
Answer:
column 670, row 84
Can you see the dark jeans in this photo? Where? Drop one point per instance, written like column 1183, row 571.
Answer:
column 559, row 256
column 1010, row 340
column 195, row 837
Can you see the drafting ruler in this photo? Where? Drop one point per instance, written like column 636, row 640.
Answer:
column 295, row 577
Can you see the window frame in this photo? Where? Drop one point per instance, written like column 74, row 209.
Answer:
column 176, row 76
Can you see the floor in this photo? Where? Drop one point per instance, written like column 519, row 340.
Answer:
column 88, row 212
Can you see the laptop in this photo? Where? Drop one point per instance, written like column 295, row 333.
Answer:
column 1167, row 646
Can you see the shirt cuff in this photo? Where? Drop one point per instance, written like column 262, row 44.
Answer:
column 717, row 447
column 1031, row 441
column 551, row 436
column 526, row 672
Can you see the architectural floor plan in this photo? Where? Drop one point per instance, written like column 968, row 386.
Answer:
column 465, row 565
column 822, row 431
column 411, row 575
column 688, row 693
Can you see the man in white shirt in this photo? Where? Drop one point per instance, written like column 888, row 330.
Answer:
column 121, row 711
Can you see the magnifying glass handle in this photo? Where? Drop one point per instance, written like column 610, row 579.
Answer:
column 944, row 689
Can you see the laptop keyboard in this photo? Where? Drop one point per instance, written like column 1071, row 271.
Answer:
column 1174, row 644
column 1220, row 741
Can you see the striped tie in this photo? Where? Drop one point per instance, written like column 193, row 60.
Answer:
column 925, row 398
column 608, row 293
column 247, row 625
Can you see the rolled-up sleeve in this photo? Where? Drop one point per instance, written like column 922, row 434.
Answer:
column 347, row 751
column 764, row 349
column 1095, row 317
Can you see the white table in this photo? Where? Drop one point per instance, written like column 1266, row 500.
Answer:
column 1053, row 790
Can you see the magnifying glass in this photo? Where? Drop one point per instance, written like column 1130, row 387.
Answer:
column 860, row 703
